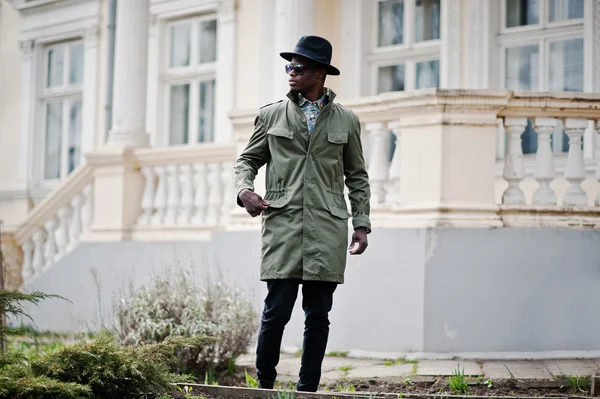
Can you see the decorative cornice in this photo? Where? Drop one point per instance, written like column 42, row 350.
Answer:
column 91, row 36
column 27, row 47
column 430, row 106
column 226, row 10
column 28, row 6
column 210, row 152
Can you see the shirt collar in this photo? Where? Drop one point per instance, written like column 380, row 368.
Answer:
column 321, row 102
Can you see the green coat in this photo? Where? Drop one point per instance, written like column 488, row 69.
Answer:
column 305, row 229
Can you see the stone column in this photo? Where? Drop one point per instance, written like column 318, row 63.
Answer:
column 27, row 103
column 131, row 71
column 90, row 93
column 225, row 71
column 450, row 33
column 118, row 184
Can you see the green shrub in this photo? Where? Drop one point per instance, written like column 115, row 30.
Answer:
column 41, row 387
column 173, row 305
column 17, row 380
column 115, row 371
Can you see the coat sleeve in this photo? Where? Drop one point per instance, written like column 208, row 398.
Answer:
column 357, row 179
column 254, row 156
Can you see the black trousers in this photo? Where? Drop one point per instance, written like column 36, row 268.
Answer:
column 317, row 300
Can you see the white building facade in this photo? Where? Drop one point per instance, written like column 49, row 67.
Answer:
column 120, row 121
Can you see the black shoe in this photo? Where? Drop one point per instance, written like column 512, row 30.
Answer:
column 265, row 385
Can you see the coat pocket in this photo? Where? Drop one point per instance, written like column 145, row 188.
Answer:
column 281, row 131
column 337, row 138
column 339, row 212
column 277, row 198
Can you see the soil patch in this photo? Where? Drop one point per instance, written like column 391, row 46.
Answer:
column 439, row 385
column 413, row 387
column 381, row 388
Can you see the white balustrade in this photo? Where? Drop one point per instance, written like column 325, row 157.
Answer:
column 27, row 269
column 173, row 195
column 188, row 194
column 49, row 241
column 38, row 251
column 575, row 172
column 597, row 201
column 76, row 225
column 160, row 200
column 87, row 213
column 62, row 230
column 544, row 170
column 393, row 185
column 214, row 195
column 200, row 197
column 50, row 247
column 514, row 170
column 228, row 192
column 544, row 162
column 378, row 164
column 148, row 198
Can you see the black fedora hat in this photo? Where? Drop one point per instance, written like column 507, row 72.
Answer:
column 316, row 49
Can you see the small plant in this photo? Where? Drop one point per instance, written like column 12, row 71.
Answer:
column 414, row 369
column 284, row 395
column 186, row 389
column 209, row 377
column 408, row 382
column 579, row 384
column 231, row 367
column 250, row 381
column 399, row 361
column 283, row 386
column 338, row 354
column 489, row 384
column 346, row 388
column 458, row 382
column 345, row 370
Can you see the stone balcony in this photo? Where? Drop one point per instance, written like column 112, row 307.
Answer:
column 443, row 168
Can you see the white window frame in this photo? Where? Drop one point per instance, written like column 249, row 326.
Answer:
column 409, row 53
column 78, row 20
column 541, row 34
column 194, row 75
column 66, row 93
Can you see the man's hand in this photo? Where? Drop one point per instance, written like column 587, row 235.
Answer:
column 359, row 237
column 253, row 202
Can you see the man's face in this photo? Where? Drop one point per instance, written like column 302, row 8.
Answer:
column 309, row 76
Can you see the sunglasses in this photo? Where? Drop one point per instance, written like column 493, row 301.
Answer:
column 297, row 68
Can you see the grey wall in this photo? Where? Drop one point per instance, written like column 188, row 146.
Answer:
column 513, row 290
column 414, row 290
column 380, row 307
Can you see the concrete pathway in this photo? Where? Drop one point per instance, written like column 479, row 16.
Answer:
column 335, row 367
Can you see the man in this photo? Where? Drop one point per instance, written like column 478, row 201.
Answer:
column 309, row 144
